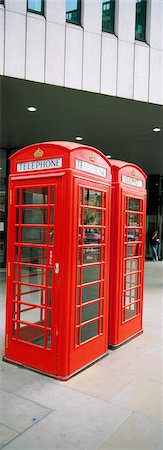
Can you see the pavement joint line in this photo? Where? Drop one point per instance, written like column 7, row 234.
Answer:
column 25, row 398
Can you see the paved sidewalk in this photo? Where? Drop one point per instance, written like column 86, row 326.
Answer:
column 115, row 404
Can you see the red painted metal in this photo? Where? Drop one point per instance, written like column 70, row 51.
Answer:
column 127, row 252
column 58, row 257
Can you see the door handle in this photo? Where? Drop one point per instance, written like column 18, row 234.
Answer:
column 56, row 268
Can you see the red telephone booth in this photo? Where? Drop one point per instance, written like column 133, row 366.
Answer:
column 58, row 246
column 127, row 245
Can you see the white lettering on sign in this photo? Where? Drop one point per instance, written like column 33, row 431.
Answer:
column 87, row 167
column 132, row 181
column 39, row 165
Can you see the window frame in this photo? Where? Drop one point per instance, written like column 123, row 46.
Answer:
column 78, row 11
column 112, row 2
column 33, row 11
column 143, row 23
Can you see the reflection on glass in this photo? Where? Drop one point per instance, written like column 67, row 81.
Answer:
column 89, row 331
column 131, row 295
column 132, row 250
column 131, row 311
column 34, row 235
column 92, row 217
column 34, row 216
column 131, row 265
column 33, row 255
column 131, row 280
column 33, row 316
column 92, row 235
column 133, row 204
column 92, row 198
column 90, row 292
column 134, row 220
column 89, row 312
column 91, row 255
column 91, row 273
column 35, row 196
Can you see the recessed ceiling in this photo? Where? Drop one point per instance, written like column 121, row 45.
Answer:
column 118, row 127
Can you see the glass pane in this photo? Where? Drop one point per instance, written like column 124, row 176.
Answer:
column 92, row 217
column 48, row 344
column 131, row 295
column 31, row 294
column 34, row 235
column 33, row 255
column 131, row 280
column 92, row 235
column 89, row 312
column 140, row 25
column 91, row 273
column 36, row 5
column 73, row 8
column 31, row 334
column 90, row 292
column 131, row 311
column 35, row 196
column 134, row 219
column 33, row 275
column 133, row 204
column 92, row 198
column 131, row 250
column 132, row 265
column 34, row 315
column 89, row 331
column 34, row 216
column 108, row 8
column 91, row 255
column 134, row 235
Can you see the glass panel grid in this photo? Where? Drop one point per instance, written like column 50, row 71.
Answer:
column 132, row 266
column 91, row 262
column 32, row 305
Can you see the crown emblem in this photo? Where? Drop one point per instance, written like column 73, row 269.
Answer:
column 92, row 157
column 38, row 153
column 133, row 173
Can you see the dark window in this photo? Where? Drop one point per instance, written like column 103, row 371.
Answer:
column 73, row 11
column 108, row 11
column 140, row 20
column 1, row 2
column 35, row 6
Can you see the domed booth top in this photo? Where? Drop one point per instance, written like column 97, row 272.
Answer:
column 127, row 248
column 58, row 257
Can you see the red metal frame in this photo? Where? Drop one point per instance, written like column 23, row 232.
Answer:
column 127, row 252
column 42, row 275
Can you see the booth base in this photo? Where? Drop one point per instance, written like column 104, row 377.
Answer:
column 115, row 346
column 58, row 377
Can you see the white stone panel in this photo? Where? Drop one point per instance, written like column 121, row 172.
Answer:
column 1, row 40
column 91, row 62
column 73, row 57
column 92, row 16
column 156, row 24
column 15, row 45
column 125, row 20
column 55, row 42
column 156, row 77
column 35, row 52
column 108, row 64
column 56, row 11
column 125, row 69
column 141, row 72
column 17, row 6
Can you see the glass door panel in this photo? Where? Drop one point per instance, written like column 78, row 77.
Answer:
column 91, row 262
column 132, row 257
column 34, row 238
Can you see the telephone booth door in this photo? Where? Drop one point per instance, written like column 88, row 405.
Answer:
column 33, row 251
column 127, row 252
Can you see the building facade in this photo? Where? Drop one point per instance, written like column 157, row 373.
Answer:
column 63, row 43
